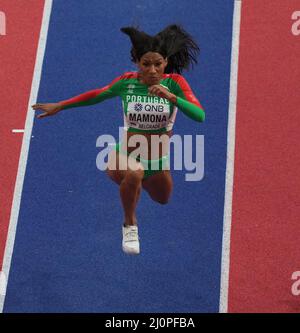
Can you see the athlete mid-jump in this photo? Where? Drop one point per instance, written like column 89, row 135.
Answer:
column 150, row 99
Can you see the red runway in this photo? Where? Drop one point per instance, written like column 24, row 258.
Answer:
column 265, row 234
column 17, row 54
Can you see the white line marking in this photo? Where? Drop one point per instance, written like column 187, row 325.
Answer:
column 18, row 130
column 25, row 146
column 2, row 24
column 3, row 283
column 223, row 307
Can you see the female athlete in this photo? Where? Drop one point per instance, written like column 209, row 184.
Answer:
column 150, row 98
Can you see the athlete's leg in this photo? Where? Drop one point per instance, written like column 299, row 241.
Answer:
column 159, row 186
column 128, row 173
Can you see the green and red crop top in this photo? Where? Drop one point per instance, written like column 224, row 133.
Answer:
column 143, row 112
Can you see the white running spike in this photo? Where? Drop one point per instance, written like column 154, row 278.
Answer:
column 130, row 243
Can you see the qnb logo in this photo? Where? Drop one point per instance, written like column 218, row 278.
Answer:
column 296, row 25
column 156, row 108
column 148, row 107
column 153, row 107
column 2, row 24
column 138, row 107
column 296, row 285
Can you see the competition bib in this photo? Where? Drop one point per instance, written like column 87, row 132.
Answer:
column 147, row 116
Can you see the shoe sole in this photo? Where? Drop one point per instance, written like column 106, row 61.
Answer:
column 130, row 251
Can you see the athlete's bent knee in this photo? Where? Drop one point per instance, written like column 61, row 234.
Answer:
column 134, row 177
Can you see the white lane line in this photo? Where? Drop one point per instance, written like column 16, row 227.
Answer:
column 18, row 130
column 25, row 148
column 223, row 306
column 3, row 283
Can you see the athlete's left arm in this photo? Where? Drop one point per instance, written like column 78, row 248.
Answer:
column 186, row 100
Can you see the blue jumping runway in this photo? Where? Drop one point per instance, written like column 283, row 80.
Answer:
column 67, row 255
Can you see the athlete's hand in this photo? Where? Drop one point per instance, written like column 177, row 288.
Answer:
column 49, row 109
column 160, row 91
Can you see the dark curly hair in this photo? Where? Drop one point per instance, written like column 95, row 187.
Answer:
column 173, row 43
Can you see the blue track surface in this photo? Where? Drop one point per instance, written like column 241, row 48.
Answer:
column 68, row 255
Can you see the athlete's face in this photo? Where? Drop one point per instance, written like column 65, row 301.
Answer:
column 152, row 67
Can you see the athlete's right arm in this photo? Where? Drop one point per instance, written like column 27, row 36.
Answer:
column 94, row 96
column 87, row 98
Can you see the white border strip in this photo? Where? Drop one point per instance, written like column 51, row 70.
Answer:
column 25, row 148
column 18, row 130
column 223, row 307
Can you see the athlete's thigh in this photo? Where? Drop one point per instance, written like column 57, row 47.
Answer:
column 159, row 186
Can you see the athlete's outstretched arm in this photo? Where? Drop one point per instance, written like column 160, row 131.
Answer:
column 87, row 98
column 94, row 96
column 49, row 109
